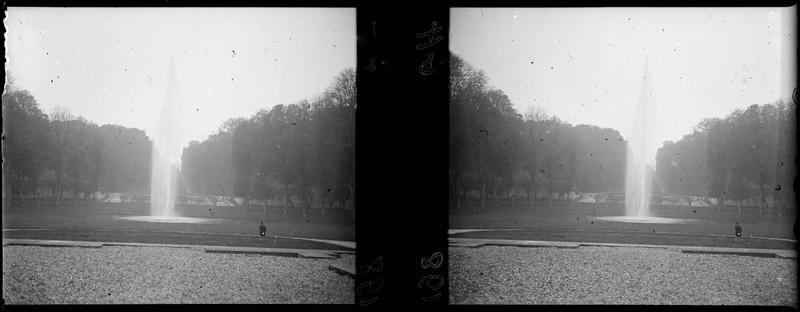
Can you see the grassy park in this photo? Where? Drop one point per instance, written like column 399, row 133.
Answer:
column 226, row 226
column 575, row 222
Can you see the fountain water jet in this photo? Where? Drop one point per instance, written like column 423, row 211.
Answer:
column 640, row 158
column 638, row 175
column 165, row 154
column 165, row 162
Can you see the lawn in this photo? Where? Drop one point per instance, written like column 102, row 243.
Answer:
column 560, row 221
column 231, row 226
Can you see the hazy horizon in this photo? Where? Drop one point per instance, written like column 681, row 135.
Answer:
column 585, row 65
column 110, row 65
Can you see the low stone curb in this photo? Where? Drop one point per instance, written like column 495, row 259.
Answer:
column 346, row 244
column 343, row 269
column 768, row 253
column 51, row 243
column 252, row 250
column 475, row 243
column 511, row 242
column 460, row 231
column 319, row 254
column 282, row 252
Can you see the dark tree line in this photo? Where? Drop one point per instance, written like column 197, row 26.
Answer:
column 48, row 156
column 304, row 151
column 748, row 155
column 207, row 166
column 495, row 150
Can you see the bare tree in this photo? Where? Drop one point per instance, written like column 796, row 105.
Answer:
column 533, row 119
column 61, row 118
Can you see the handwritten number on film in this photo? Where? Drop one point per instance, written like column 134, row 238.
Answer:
column 373, row 61
column 426, row 68
column 373, row 287
column 432, row 282
column 435, row 261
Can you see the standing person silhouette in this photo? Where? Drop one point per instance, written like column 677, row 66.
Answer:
column 262, row 229
column 738, row 229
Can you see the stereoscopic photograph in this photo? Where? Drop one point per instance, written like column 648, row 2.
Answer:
column 623, row 156
column 178, row 155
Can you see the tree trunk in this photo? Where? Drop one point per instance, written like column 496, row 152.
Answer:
column 322, row 202
column 6, row 194
column 760, row 209
column 483, row 193
column 458, row 194
column 59, row 195
column 263, row 209
column 22, row 189
column 351, row 197
column 286, row 198
column 740, row 203
column 307, row 204
column 532, row 193
column 528, row 193
column 494, row 192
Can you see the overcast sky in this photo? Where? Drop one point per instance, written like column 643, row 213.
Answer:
column 585, row 65
column 110, row 65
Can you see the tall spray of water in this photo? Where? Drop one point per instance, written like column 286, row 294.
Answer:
column 163, row 178
column 638, row 177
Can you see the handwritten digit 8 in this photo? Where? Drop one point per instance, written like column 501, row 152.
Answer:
column 435, row 261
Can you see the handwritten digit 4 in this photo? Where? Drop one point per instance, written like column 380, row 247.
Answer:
column 376, row 266
column 426, row 68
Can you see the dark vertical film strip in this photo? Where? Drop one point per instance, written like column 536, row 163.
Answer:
column 431, row 94
column 401, row 156
column 372, row 72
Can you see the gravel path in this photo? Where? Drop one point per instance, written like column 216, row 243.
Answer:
column 606, row 275
column 121, row 275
